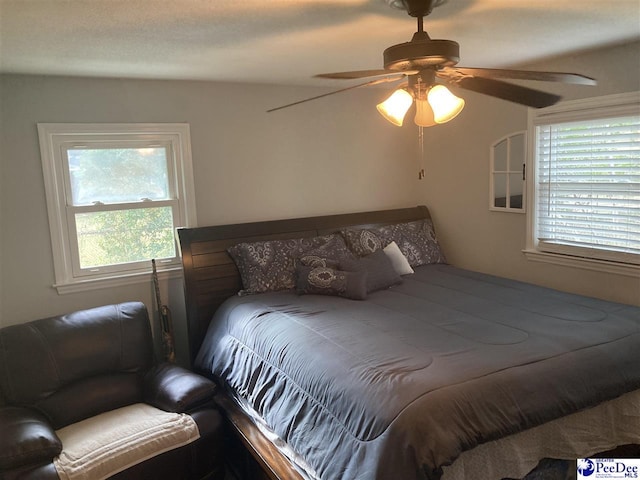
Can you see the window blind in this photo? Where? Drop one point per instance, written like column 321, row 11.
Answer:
column 588, row 188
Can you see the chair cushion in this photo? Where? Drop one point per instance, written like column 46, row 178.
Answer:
column 101, row 446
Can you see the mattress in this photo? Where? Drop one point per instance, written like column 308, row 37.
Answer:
column 401, row 384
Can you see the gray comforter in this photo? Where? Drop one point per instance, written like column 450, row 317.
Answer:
column 399, row 385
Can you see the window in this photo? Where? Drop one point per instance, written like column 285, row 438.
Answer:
column 115, row 194
column 586, row 183
column 507, row 174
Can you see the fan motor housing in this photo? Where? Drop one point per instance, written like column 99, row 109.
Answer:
column 423, row 54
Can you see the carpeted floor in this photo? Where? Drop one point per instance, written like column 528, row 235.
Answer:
column 552, row 469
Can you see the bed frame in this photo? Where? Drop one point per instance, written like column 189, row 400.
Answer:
column 210, row 277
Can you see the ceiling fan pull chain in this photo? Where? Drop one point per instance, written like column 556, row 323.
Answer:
column 421, row 146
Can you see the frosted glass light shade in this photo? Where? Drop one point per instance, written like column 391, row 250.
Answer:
column 446, row 106
column 424, row 114
column 395, row 107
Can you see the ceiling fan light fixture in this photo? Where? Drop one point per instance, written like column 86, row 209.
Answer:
column 424, row 114
column 446, row 106
column 396, row 106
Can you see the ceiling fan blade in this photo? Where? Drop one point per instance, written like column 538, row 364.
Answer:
column 507, row 91
column 363, row 74
column 563, row 77
column 365, row 84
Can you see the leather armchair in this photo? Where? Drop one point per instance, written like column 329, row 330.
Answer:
column 64, row 369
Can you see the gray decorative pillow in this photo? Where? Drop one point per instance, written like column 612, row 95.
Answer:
column 328, row 281
column 416, row 240
column 310, row 260
column 329, row 254
column 270, row 266
column 379, row 269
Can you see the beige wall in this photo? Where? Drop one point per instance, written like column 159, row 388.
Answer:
column 329, row 156
column 457, row 180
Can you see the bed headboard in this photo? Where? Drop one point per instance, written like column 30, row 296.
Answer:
column 210, row 275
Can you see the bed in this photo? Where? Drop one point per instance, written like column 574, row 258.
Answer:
column 442, row 373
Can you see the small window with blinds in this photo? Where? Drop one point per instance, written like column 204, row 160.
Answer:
column 586, row 182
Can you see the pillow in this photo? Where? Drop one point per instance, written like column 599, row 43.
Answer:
column 416, row 240
column 269, row 266
column 327, row 255
column 398, row 260
column 328, row 281
column 311, row 260
column 379, row 269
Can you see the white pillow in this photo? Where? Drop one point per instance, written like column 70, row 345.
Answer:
column 398, row 260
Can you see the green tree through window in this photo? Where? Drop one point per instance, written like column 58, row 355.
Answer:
column 109, row 238
column 125, row 182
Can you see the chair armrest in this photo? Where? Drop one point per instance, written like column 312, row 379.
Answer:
column 176, row 389
column 27, row 438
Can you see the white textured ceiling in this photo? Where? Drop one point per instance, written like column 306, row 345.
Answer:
column 288, row 41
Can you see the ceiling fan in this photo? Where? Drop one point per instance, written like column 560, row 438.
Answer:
column 427, row 66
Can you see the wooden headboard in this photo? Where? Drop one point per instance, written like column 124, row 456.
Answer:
column 210, row 275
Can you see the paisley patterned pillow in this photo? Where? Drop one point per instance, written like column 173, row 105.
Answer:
column 270, row 265
column 328, row 255
column 416, row 240
column 328, row 281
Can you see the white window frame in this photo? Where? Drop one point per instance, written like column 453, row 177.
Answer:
column 55, row 139
column 576, row 110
